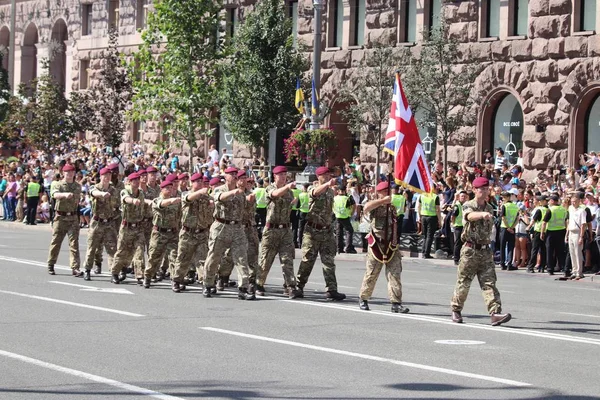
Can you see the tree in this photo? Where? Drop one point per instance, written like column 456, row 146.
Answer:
column 258, row 86
column 5, row 94
column 437, row 81
column 178, row 85
column 108, row 99
column 369, row 95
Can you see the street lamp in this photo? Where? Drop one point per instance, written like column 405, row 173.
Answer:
column 319, row 6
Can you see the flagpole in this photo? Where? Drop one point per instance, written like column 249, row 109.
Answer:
column 318, row 6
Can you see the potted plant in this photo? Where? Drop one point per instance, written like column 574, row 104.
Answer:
column 307, row 146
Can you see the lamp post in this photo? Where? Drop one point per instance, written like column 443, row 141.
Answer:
column 319, row 5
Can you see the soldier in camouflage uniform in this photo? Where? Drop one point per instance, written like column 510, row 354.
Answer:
column 476, row 256
column 149, row 186
column 102, row 233
column 227, row 232
column 66, row 220
column 277, row 236
column 193, row 237
column 167, row 264
column 131, row 235
column 165, row 232
column 319, row 238
column 382, row 251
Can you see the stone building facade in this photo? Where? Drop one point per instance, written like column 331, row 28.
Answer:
column 540, row 59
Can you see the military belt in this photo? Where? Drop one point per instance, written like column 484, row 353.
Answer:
column 477, row 246
column 277, row 226
column 164, row 230
column 318, row 227
column 103, row 220
column 65, row 214
column 192, row 230
column 130, row 224
column 227, row 221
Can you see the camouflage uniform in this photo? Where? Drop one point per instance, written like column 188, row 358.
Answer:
column 227, row 232
column 164, row 238
column 393, row 268
column 102, row 230
column 146, row 225
column 131, row 236
column 119, row 186
column 277, row 238
column 476, row 262
column 319, row 239
column 193, row 237
column 66, row 222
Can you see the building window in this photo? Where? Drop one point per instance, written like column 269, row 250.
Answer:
column 232, row 22
column 113, row 13
column 141, row 14
column 86, row 19
column 357, row 28
column 84, row 74
column 587, row 16
column 292, row 13
column 432, row 13
column 489, row 17
column 336, row 23
column 592, row 127
column 407, row 19
column 518, row 17
column 508, row 127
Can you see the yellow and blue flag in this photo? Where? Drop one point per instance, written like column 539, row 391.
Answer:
column 299, row 97
column 315, row 99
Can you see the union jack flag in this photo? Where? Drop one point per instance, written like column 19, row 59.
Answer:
column 403, row 142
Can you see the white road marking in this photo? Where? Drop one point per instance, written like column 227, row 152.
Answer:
column 507, row 329
column 69, row 303
column 371, row 358
column 580, row 315
column 31, row 262
column 94, row 378
column 93, row 288
column 276, row 278
column 459, row 342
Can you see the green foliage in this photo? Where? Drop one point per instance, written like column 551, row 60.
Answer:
column 259, row 81
column 304, row 145
column 437, row 82
column 179, row 80
column 5, row 94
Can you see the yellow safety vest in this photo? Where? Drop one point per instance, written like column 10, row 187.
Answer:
column 339, row 207
column 511, row 210
column 458, row 221
column 304, row 199
column 399, row 201
column 557, row 219
column 428, row 205
column 537, row 227
column 295, row 192
column 261, row 197
column 33, row 189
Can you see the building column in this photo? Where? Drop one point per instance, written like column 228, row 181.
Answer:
column 42, row 54
column 24, row 62
column 68, row 67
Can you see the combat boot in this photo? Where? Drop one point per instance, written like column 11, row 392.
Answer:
column 364, row 305
column 294, row 293
column 98, row 269
column 221, row 284
column 334, row 295
column 146, row 283
column 244, row 295
column 498, row 319
column 159, row 276
column 76, row 273
column 122, row 275
column 260, row 290
column 115, row 279
column 399, row 308
column 87, row 275
column 175, row 287
column 206, row 292
column 51, row 270
column 457, row 317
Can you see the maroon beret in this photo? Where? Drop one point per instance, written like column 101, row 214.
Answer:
column 215, row 181
column 142, row 172
column 165, row 183
column 382, row 186
column 133, row 176
column 480, row 182
column 105, row 171
column 183, row 176
column 242, row 173
column 231, row 170
column 279, row 170
column 171, row 178
column 322, row 171
column 68, row 167
column 205, row 179
column 196, row 176
column 151, row 170
column 113, row 166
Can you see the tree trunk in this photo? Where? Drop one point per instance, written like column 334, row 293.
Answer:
column 445, row 155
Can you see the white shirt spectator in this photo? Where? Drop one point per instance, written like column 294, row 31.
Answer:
column 576, row 219
column 500, row 162
column 213, row 154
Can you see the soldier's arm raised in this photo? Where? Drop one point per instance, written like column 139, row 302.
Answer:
column 196, row 195
column 132, row 201
column 167, row 202
column 62, row 195
column 226, row 195
column 282, row 190
column 319, row 190
column 373, row 204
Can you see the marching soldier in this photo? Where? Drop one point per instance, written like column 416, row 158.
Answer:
column 167, row 263
column 193, row 237
column 66, row 220
column 277, row 237
column 102, row 233
column 227, row 232
column 183, row 182
column 319, row 238
column 476, row 256
column 131, row 235
column 165, row 231
column 149, row 186
column 382, row 251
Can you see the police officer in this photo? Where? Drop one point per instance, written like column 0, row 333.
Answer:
column 66, row 220
column 382, row 251
column 131, row 235
column 277, row 236
column 303, row 200
column 428, row 208
column 295, row 215
column 457, row 223
column 227, row 232
column 554, row 231
column 261, row 206
column 476, row 256
column 33, row 198
column 509, row 216
column 319, row 238
column 343, row 207
column 538, row 246
column 102, row 232
column 193, row 237
column 399, row 203
column 166, row 209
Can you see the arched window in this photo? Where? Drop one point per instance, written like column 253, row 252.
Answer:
column 592, row 126
column 508, row 127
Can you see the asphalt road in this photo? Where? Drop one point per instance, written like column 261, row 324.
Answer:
column 98, row 340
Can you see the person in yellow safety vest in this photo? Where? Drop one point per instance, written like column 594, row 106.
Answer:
column 538, row 246
column 303, row 200
column 33, row 198
column 509, row 215
column 261, row 206
column 554, row 230
column 295, row 216
column 343, row 208
column 399, row 203
column 457, row 222
column 428, row 208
